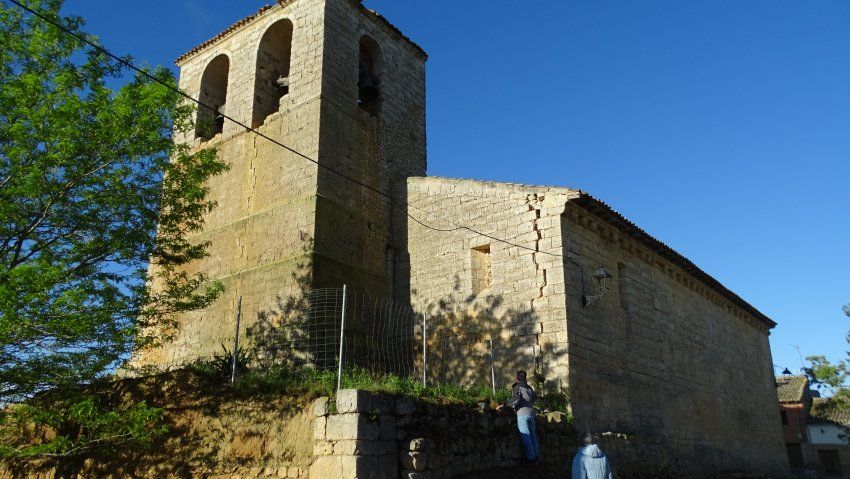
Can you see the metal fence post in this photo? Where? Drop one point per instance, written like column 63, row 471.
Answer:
column 424, row 351
column 492, row 368
column 341, row 339
column 235, row 343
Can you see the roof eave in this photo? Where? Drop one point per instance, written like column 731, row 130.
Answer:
column 232, row 28
column 224, row 33
column 600, row 208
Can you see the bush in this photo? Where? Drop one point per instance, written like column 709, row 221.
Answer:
column 70, row 426
column 555, row 402
column 220, row 366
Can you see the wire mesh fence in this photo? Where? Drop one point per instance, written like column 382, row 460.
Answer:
column 337, row 328
column 380, row 336
column 329, row 324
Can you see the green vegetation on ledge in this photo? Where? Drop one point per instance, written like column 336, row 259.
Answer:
column 317, row 383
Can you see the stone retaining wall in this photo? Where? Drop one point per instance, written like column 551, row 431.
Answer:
column 360, row 435
column 365, row 435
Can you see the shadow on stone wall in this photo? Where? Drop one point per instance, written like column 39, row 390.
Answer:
column 285, row 331
column 472, row 338
column 303, row 327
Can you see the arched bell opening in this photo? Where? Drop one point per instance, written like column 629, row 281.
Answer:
column 213, row 98
column 273, row 62
column 369, row 75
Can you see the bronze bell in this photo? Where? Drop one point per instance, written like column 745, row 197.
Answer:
column 281, row 85
column 368, row 87
column 369, row 92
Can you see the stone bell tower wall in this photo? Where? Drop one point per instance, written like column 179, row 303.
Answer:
column 374, row 145
column 261, row 232
column 282, row 224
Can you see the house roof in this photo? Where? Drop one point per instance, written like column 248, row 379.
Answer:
column 830, row 410
column 791, row 389
column 266, row 8
column 606, row 212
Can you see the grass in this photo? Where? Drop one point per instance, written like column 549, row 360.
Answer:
column 323, row 383
column 317, row 383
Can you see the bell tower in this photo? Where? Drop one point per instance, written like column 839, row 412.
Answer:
column 344, row 89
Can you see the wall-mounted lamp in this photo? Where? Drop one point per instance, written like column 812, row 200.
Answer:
column 601, row 277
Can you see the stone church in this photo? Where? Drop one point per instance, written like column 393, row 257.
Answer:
column 640, row 338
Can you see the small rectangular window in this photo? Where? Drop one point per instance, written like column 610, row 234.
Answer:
column 784, row 417
column 482, row 269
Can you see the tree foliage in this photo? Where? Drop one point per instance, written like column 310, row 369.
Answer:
column 833, row 377
column 71, row 425
column 96, row 205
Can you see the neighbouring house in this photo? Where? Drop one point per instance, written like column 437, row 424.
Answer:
column 328, row 186
column 828, row 429
column 815, row 429
column 795, row 401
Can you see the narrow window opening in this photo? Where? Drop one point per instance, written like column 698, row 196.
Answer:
column 369, row 75
column 784, row 417
column 213, row 97
column 273, row 71
column 482, row 269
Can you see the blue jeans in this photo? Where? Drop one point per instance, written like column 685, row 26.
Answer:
column 527, row 434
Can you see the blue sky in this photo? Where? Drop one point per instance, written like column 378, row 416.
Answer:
column 721, row 127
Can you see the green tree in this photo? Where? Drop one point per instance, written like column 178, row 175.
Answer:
column 832, row 376
column 96, row 203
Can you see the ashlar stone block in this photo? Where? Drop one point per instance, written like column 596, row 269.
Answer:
column 342, row 427
column 352, row 401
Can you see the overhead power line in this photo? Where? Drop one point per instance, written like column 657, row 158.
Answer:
column 146, row 74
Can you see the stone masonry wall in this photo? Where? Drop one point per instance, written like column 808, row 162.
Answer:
column 374, row 146
column 357, row 435
column 523, row 310
column 282, row 224
column 262, row 231
column 665, row 358
column 375, row 436
column 662, row 358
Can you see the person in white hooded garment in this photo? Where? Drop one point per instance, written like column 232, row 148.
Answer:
column 590, row 462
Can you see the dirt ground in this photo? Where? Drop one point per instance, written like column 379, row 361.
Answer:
column 212, row 429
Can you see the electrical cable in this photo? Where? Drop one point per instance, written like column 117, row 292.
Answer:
column 146, row 74
column 133, row 67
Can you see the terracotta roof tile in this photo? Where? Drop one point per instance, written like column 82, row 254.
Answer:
column 223, row 34
column 393, row 28
column 830, row 410
column 790, row 389
column 266, row 8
